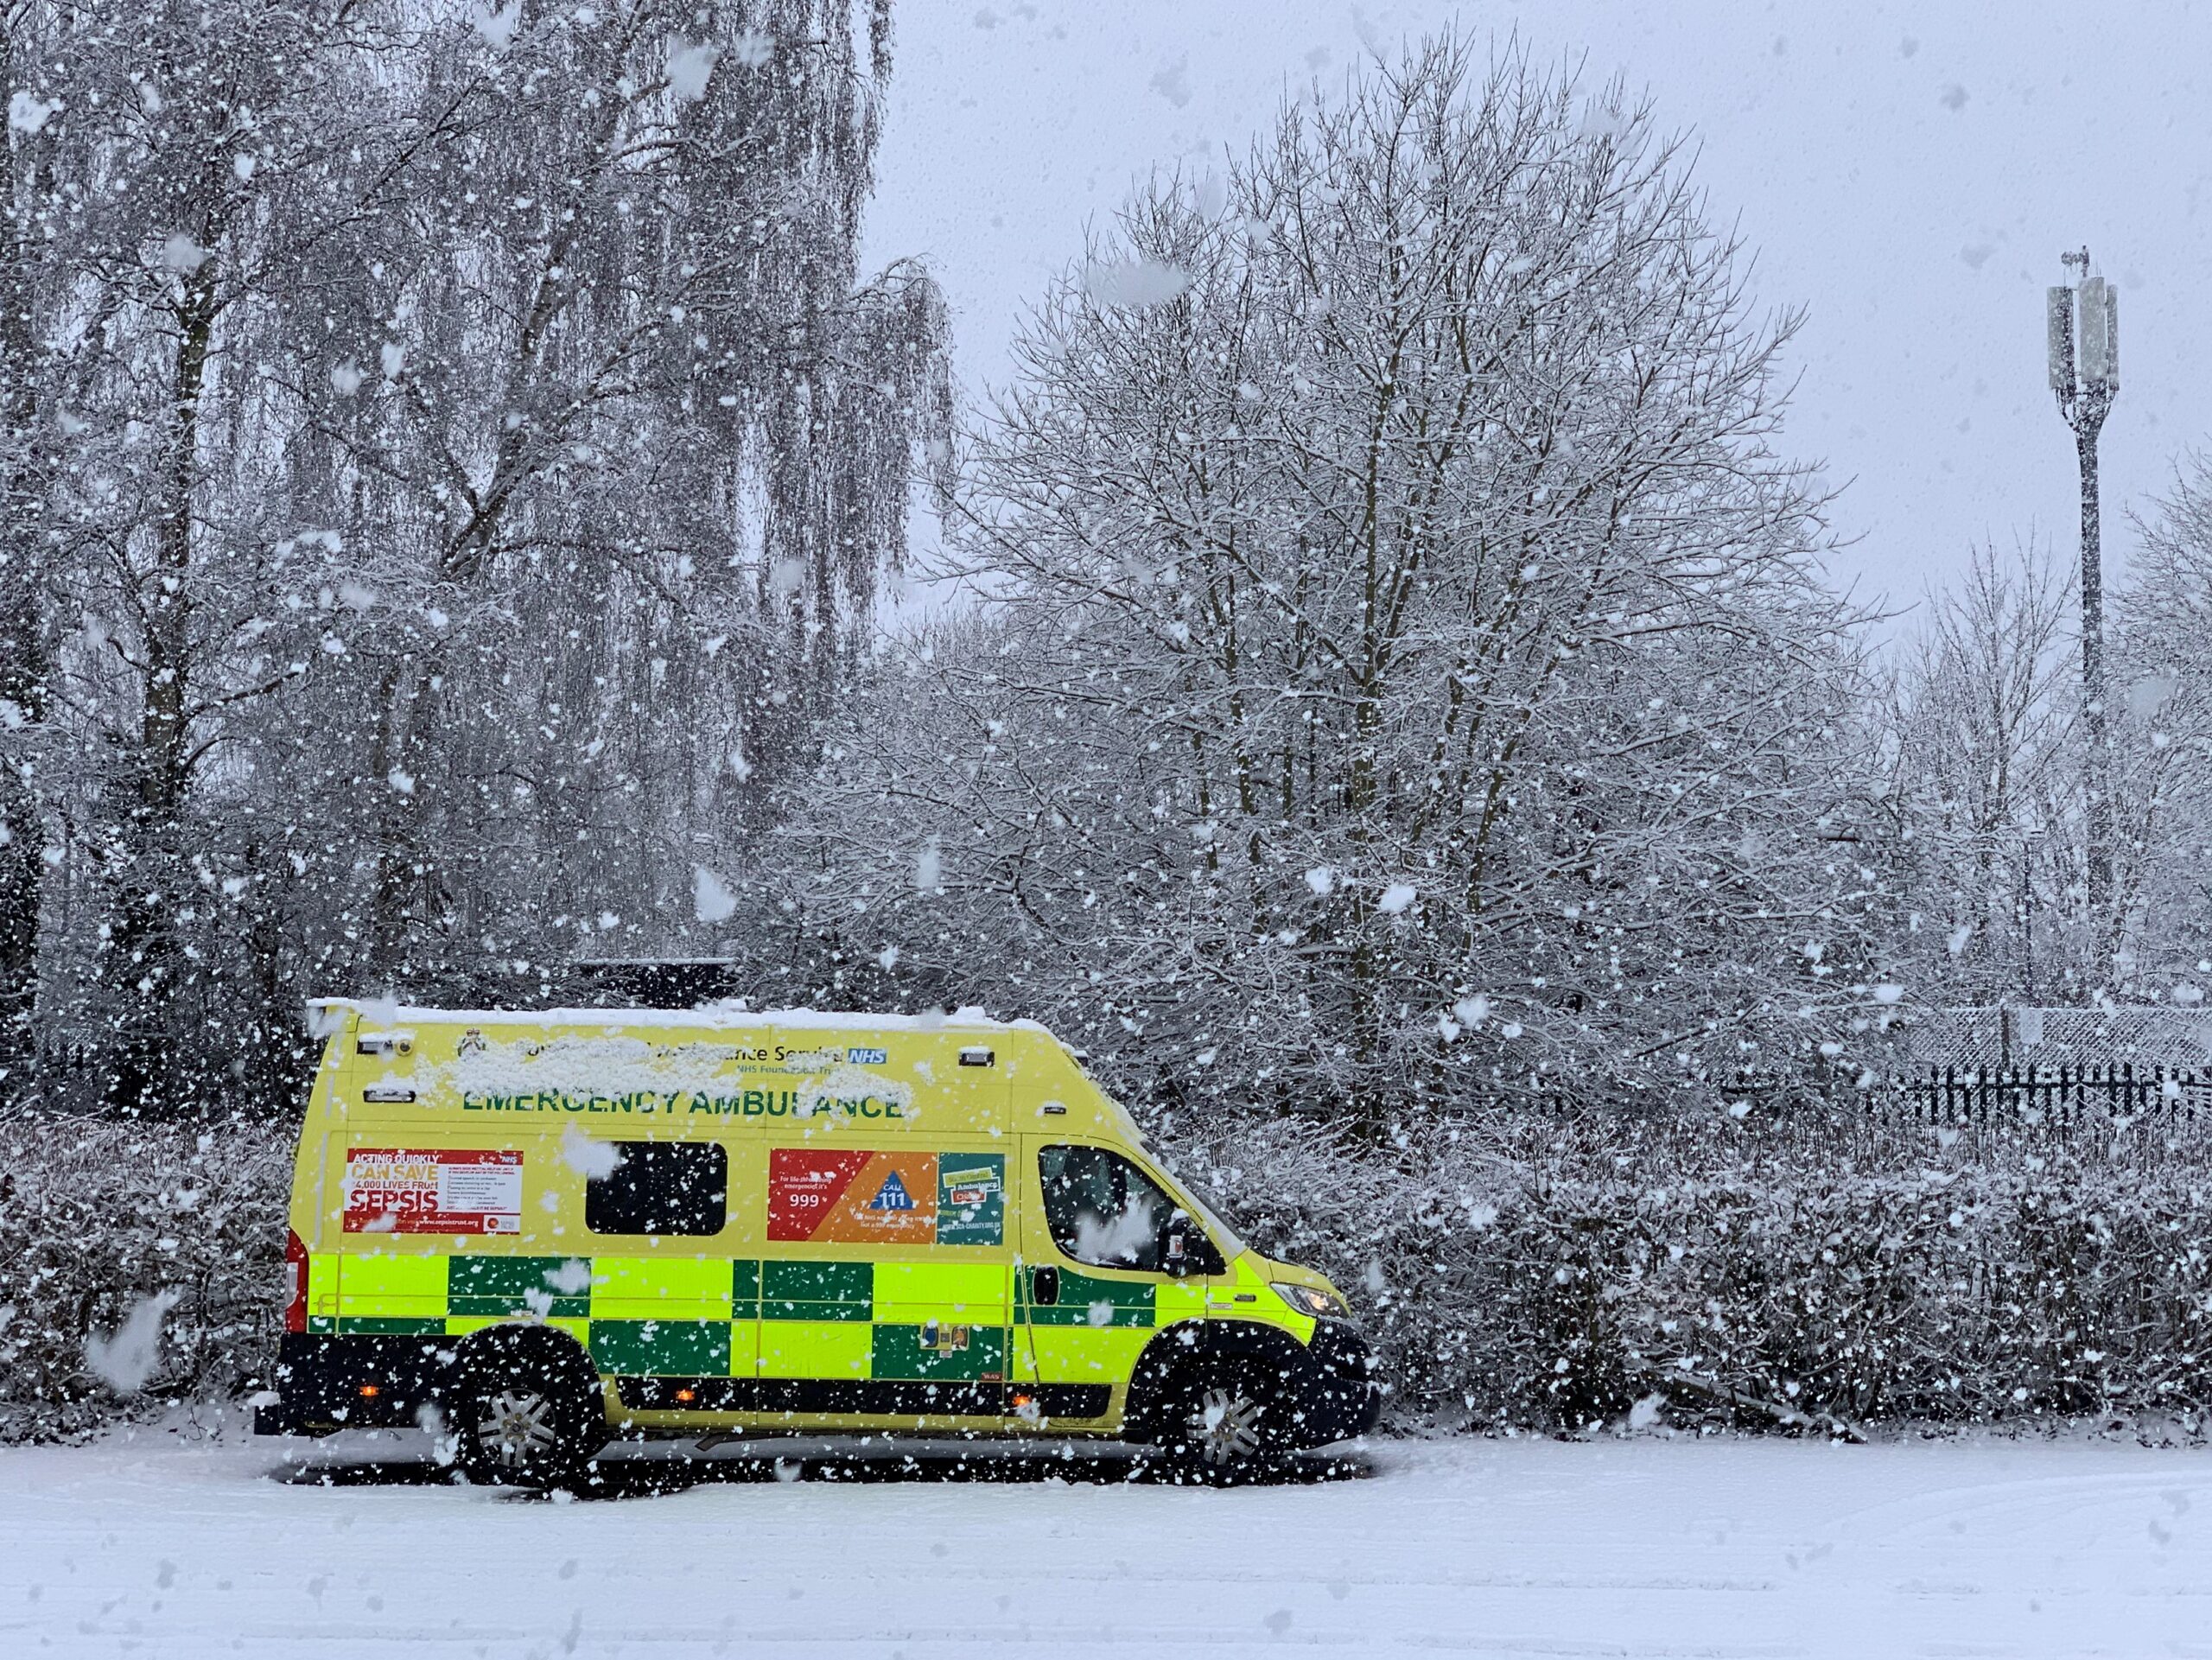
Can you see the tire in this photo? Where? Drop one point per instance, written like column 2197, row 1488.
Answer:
column 528, row 1410
column 1223, row 1420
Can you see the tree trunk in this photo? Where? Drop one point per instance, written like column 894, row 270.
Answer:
column 144, row 947
column 25, row 662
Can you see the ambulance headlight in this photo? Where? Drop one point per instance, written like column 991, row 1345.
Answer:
column 1315, row 1304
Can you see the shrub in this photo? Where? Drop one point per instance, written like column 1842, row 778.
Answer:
column 1553, row 1274
column 95, row 1219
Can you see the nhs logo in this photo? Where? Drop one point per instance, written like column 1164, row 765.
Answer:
column 867, row 1057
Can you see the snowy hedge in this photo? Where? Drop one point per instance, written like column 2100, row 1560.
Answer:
column 1551, row 1275
column 139, row 1265
column 1543, row 1274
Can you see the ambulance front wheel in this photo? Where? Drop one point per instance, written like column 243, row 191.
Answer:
column 528, row 1411
column 1223, row 1420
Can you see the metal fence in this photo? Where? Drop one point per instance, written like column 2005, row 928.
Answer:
column 2059, row 1096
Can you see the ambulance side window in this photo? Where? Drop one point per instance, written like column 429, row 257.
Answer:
column 1101, row 1209
column 660, row 1187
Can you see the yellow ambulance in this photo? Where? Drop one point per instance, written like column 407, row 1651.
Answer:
column 541, row 1230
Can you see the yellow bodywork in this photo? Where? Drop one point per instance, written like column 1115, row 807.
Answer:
column 917, row 1274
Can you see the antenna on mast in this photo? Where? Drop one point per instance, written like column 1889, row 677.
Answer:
column 2081, row 322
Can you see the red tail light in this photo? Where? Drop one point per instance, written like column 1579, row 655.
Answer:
column 295, row 1265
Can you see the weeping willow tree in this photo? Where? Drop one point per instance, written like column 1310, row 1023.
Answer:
column 645, row 440
column 523, row 451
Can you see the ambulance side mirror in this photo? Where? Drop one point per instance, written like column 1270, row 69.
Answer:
column 1183, row 1248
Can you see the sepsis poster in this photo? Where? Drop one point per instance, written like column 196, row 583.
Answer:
column 847, row 1196
column 432, row 1189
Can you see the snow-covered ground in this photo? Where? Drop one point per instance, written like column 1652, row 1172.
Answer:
column 159, row 1545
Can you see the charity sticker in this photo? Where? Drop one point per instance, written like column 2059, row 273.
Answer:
column 971, row 1198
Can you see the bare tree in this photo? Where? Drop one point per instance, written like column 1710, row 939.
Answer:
column 1406, row 674
column 2162, row 748
column 26, row 648
column 1984, row 773
column 204, row 160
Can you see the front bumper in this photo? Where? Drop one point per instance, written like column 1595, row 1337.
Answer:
column 1338, row 1394
column 357, row 1381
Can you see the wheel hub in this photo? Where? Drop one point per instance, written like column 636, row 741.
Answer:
column 515, row 1424
column 1226, row 1426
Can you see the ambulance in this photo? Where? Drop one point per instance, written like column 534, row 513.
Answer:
column 535, row 1232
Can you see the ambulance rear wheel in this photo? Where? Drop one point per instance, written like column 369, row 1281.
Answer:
column 527, row 1412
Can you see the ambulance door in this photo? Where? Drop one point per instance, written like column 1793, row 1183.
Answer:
column 1095, row 1284
column 670, row 1308
column 942, row 1336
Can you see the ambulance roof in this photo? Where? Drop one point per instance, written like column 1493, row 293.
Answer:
column 723, row 1016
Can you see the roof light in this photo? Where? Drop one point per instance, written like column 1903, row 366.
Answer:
column 976, row 1057
column 385, row 1043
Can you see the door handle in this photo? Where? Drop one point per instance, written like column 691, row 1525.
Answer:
column 1044, row 1286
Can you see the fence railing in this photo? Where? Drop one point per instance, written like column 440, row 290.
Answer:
column 2059, row 1096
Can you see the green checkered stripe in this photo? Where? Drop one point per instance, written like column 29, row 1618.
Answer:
column 800, row 1306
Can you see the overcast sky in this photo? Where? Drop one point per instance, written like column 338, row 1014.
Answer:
column 1908, row 173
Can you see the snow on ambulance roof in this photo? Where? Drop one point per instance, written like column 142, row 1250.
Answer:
column 322, row 1013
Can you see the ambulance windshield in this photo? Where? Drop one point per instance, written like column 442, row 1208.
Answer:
column 1224, row 1235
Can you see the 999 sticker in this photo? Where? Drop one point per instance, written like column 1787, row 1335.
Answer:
column 433, row 1190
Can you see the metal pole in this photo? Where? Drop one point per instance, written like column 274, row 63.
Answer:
column 2086, row 382
column 2093, row 678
